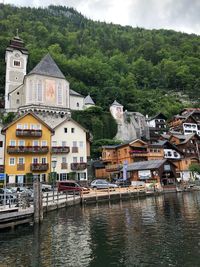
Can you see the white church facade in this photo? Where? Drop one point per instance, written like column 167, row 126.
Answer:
column 44, row 87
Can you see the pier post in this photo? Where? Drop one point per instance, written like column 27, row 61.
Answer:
column 38, row 205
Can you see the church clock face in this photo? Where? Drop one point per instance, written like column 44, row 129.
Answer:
column 17, row 55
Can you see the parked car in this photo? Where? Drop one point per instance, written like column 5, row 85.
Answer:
column 102, row 184
column 10, row 197
column 46, row 187
column 71, row 186
column 123, row 183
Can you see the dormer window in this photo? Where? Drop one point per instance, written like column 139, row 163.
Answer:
column 17, row 63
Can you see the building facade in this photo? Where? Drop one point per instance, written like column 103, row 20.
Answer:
column 27, row 149
column 70, row 150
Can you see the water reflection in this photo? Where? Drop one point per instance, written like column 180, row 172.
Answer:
column 154, row 231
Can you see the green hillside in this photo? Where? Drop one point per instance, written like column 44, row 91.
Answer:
column 148, row 71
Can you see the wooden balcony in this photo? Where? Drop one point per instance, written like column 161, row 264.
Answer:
column 138, row 153
column 20, row 167
column 113, row 167
column 64, row 166
column 60, row 149
column 37, row 167
column 28, row 133
column 74, row 149
column 79, row 166
column 27, row 149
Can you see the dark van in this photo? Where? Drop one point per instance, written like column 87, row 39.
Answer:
column 70, row 185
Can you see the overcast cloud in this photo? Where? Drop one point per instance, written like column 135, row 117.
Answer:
column 180, row 15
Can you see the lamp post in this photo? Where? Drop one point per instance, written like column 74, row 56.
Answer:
column 53, row 164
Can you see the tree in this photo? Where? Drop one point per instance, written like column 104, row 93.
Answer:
column 195, row 169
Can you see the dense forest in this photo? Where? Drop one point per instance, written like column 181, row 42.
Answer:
column 148, row 71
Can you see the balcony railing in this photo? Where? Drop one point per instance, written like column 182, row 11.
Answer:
column 28, row 133
column 74, row 149
column 20, row 167
column 113, row 167
column 78, row 166
column 27, row 149
column 64, row 166
column 39, row 166
column 60, row 149
column 138, row 153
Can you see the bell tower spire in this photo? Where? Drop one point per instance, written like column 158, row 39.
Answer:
column 16, row 61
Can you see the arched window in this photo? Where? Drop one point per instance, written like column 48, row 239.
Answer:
column 30, row 91
column 59, row 94
column 39, row 91
column 77, row 104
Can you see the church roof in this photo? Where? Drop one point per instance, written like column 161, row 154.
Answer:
column 18, row 44
column 88, row 100
column 115, row 103
column 48, row 67
column 72, row 92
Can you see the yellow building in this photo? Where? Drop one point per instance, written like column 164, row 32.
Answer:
column 27, row 149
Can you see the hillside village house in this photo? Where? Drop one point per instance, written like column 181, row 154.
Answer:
column 70, row 149
column 187, row 122
column 27, row 149
column 161, row 172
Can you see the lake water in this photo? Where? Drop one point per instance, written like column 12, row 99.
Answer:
column 154, row 231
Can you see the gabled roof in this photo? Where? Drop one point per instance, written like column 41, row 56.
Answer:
column 146, row 165
column 47, row 67
column 137, row 140
column 70, row 119
column 88, row 100
column 72, row 92
column 115, row 103
column 158, row 116
column 24, row 115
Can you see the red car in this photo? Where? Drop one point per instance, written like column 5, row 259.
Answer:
column 70, row 185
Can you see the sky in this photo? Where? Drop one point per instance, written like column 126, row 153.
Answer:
column 179, row 15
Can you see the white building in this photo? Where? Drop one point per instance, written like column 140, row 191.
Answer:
column 70, row 150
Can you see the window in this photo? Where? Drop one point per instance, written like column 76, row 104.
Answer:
column 21, row 143
column 11, row 161
column 74, row 159
column 54, row 143
column 25, row 126
column 19, row 126
column 16, row 63
column 63, row 176
column 44, row 143
column 12, row 143
column 81, row 144
column 17, row 101
column 72, row 130
column 35, row 143
column 65, row 130
column 77, row 104
column 64, row 160
column 21, row 161
column 39, row 91
column 64, row 143
column 1, row 143
column 30, row 91
column 81, row 159
column 74, row 144
column 35, row 160
column 59, row 94
column 44, row 160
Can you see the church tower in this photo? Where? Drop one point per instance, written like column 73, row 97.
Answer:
column 16, row 61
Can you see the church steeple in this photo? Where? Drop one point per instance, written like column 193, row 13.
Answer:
column 16, row 61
